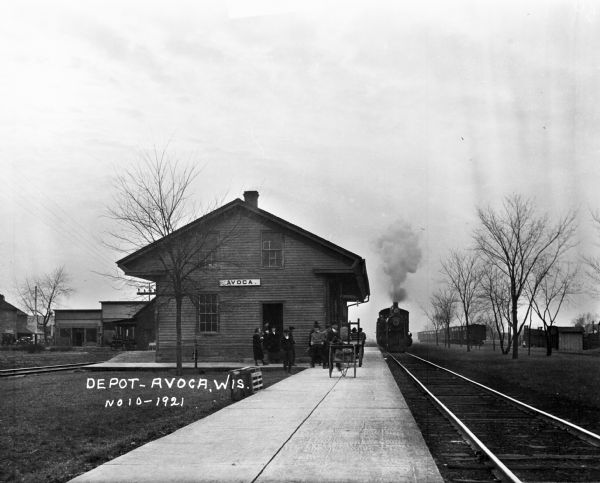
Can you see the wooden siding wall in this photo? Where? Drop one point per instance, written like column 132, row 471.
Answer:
column 11, row 320
column 570, row 342
column 302, row 293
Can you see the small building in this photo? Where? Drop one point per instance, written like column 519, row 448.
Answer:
column 131, row 322
column 13, row 322
column 251, row 269
column 570, row 339
column 562, row 338
column 77, row 327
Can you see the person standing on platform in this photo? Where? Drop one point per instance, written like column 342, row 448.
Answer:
column 257, row 348
column 274, row 346
column 344, row 334
column 355, row 342
column 362, row 338
column 315, row 345
column 333, row 337
column 287, row 349
column 266, row 341
column 291, row 331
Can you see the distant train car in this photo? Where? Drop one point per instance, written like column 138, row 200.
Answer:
column 429, row 336
column 458, row 335
column 392, row 329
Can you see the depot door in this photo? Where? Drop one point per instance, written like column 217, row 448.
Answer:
column 78, row 336
column 273, row 315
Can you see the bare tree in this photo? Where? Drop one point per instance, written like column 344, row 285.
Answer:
column 40, row 295
column 555, row 288
column 593, row 263
column 516, row 240
column 464, row 275
column 494, row 295
column 589, row 322
column 437, row 324
column 152, row 208
column 443, row 302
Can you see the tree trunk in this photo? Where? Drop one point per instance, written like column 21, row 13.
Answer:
column 178, row 355
column 467, row 333
column 515, row 326
column 548, row 343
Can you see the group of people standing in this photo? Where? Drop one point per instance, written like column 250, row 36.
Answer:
column 277, row 347
column 269, row 346
column 319, row 341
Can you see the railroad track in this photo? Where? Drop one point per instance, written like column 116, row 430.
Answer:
column 516, row 441
column 26, row 371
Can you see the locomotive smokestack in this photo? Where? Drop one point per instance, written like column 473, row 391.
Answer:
column 395, row 305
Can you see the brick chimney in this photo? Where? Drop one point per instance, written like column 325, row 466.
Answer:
column 251, row 197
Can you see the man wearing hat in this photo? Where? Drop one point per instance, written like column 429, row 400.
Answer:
column 291, row 330
column 287, row 348
column 316, row 340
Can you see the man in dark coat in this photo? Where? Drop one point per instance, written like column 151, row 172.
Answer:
column 266, row 342
column 287, row 349
column 257, row 348
column 274, row 346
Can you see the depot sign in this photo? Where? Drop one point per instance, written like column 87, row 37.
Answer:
column 239, row 282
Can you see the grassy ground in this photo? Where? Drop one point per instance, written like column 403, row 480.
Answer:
column 53, row 427
column 14, row 359
column 565, row 385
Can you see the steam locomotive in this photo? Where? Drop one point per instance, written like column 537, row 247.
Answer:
column 392, row 329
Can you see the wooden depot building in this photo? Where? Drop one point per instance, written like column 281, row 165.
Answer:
column 249, row 268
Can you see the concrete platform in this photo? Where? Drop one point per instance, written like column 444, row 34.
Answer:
column 161, row 366
column 144, row 361
column 306, row 428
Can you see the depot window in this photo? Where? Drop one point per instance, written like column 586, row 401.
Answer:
column 208, row 311
column 272, row 249
column 209, row 251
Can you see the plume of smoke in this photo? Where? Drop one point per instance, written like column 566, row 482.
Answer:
column 400, row 254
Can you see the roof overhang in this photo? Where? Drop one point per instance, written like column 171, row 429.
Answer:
column 355, row 284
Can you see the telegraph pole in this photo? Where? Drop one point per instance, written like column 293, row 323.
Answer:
column 36, row 316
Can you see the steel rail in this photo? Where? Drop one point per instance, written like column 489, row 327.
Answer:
column 24, row 371
column 578, row 429
column 506, row 472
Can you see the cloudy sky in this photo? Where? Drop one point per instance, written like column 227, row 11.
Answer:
column 350, row 118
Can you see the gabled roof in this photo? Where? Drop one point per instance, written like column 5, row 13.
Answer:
column 4, row 305
column 148, row 305
column 358, row 263
column 238, row 203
